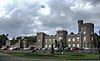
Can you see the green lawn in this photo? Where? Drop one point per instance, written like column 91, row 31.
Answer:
column 70, row 56
column 78, row 56
column 32, row 55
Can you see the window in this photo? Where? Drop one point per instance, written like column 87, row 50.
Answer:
column 77, row 38
column 73, row 39
column 60, row 38
column 92, row 38
column 69, row 45
column 53, row 40
column 45, row 46
column 84, row 38
column 84, row 32
column 49, row 40
column 69, row 39
column 91, row 32
column 46, row 40
column 78, row 45
column 39, row 40
column 49, row 45
column 73, row 45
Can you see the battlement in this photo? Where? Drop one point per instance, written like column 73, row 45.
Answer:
column 88, row 25
column 40, row 33
column 80, row 21
column 84, row 38
column 62, row 31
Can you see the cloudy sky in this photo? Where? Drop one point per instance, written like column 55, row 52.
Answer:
column 27, row 17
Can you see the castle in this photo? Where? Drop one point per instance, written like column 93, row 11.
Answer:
column 83, row 39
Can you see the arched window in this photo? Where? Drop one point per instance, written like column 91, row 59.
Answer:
column 69, row 45
column 84, row 32
column 73, row 39
column 69, row 39
column 73, row 45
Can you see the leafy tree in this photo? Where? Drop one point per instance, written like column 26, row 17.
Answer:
column 98, row 41
column 52, row 49
column 3, row 39
column 95, row 42
column 30, row 39
column 19, row 37
column 99, row 45
column 14, row 41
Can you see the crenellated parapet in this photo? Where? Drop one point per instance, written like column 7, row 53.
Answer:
column 83, row 39
column 61, row 32
column 40, row 40
column 80, row 23
column 86, row 31
column 88, row 25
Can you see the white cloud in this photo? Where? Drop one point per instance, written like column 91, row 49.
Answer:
column 26, row 17
column 45, row 10
column 80, row 6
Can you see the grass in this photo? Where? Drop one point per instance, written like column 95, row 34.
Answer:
column 66, row 56
column 76, row 56
column 32, row 55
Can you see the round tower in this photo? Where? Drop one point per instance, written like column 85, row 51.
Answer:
column 87, row 31
column 99, row 32
column 80, row 23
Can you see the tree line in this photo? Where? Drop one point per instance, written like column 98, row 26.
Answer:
column 14, row 40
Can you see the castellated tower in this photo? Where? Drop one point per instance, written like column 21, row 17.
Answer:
column 62, row 35
column 84, row 39
column 80, row 23
column 40, row 40
column 87, row 31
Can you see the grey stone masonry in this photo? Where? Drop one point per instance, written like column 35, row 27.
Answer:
column 83, row 39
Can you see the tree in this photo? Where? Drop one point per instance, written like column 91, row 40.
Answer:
column 14, row 41
column 99, row 41
column 3, row 39
column 19, row 37
column 52, row 49
column 98, row 45
column 30, row 39
column 95, row 42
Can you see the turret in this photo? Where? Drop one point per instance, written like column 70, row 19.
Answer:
column 87, row 32
column 80, row 23
column 61, row 33
column 62, row 37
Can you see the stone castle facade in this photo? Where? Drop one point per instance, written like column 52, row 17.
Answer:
column 83, row 39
